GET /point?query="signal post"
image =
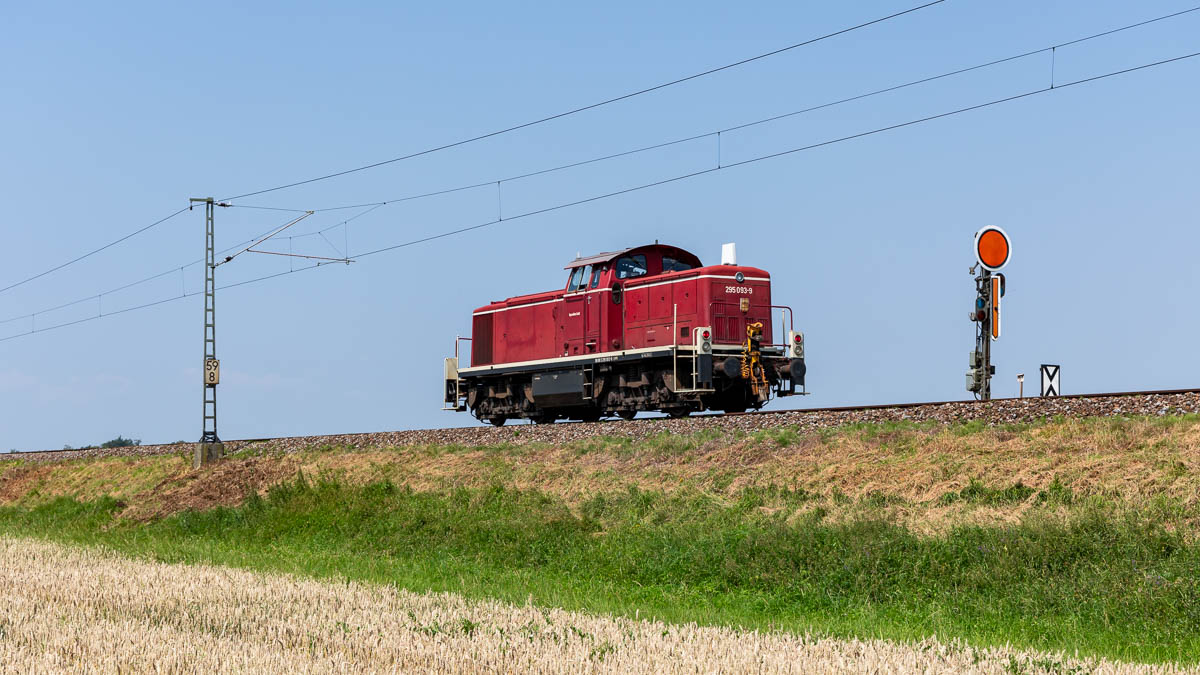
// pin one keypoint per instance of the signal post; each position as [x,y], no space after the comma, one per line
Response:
[992,251]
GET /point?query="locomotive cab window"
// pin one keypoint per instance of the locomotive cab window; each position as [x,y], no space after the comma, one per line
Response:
[596,277]
[578,278]
[672,265]
[631,266]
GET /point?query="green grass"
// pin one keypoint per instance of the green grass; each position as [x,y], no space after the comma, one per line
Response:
[1103,582]
[978,493]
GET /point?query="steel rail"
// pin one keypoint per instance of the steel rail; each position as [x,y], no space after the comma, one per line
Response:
[849,408]
[882,406]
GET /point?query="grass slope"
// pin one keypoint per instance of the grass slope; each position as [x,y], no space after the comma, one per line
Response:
[914,468]
[1084,541]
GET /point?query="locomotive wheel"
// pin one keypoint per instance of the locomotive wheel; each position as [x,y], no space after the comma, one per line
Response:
[626,414]
[497,421]
[590,416]
[542,418]
[679,413]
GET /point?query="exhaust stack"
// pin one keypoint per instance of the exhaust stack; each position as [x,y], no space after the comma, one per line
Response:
[729,254]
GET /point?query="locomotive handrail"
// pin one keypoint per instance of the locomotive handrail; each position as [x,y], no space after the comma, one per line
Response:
[675,357]
[791,317]
[458,339]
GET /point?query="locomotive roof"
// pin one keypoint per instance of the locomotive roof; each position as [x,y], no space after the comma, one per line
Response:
[612,255]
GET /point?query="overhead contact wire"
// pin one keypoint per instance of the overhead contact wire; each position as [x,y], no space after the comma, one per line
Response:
[131,284]
[606,157]
[765,120]
[674,179]
[591,106]
[773,155]
[93,252]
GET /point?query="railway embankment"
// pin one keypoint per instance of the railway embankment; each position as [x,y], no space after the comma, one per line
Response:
[992,413]
[1064,526]
[927,470]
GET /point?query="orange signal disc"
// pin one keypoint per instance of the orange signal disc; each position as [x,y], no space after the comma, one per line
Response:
[991,247]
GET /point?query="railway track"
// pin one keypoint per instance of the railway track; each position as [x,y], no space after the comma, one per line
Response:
[879,406]
[996,411]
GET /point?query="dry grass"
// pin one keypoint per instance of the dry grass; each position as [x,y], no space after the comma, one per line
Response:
[76,610]
[1134,460]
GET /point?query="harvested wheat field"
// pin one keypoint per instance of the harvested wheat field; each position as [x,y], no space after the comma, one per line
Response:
[69,609]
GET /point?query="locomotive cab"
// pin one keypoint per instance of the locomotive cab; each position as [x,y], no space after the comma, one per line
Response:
[647,328]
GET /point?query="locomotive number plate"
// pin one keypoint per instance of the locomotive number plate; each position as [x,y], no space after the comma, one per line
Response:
[743,290]
[212,371]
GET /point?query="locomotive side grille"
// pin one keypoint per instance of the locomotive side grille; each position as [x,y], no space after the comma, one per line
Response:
[481,340]
[728,329]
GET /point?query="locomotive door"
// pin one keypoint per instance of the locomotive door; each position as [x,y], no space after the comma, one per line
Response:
[591,313]
[613,310]
[575,311]
[575,305]
[591,323]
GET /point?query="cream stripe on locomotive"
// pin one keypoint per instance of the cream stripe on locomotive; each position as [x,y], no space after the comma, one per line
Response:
[608,290]
[566,359]
[601,357]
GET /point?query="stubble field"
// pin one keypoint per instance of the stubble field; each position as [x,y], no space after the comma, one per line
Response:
[70,609]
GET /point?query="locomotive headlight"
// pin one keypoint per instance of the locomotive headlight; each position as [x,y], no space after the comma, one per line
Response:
[797,340]
[703,340]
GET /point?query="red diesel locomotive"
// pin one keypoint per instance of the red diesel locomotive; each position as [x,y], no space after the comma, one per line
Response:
[647,328]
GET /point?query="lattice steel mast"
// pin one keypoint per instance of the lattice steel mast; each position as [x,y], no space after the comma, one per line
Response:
[210,446]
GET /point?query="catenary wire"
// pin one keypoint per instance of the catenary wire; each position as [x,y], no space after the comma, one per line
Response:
[175,269]
[765,120]
[347,221]
[590,106]
[56,268]
[131,284]
[597,159]
[441,235]
[782,153]
[114,243]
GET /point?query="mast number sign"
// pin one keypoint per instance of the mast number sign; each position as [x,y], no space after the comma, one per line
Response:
[212,371]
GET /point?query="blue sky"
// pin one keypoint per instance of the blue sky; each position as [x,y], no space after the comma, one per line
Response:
[114,116]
